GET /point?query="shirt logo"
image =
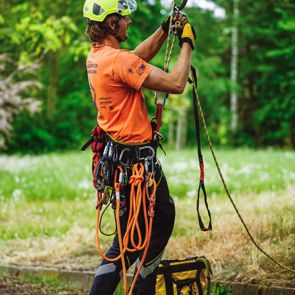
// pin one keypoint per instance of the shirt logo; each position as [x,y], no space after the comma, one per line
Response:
[141,70]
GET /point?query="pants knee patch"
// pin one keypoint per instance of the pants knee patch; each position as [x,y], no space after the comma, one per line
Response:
[105,269]
[148,268]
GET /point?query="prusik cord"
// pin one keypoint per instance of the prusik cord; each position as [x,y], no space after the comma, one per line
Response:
[169,47]
[227,191]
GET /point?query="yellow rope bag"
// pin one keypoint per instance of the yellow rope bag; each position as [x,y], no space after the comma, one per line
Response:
[189,276]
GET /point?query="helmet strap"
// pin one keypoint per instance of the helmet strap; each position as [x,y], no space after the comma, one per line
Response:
[118,39]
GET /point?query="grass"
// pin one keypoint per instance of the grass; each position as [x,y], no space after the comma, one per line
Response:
[47,213]
[68,176]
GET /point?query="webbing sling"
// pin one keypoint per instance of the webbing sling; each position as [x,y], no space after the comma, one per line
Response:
[200,156]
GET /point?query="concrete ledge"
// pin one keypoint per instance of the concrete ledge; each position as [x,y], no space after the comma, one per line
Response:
[75,278]
[83,279]
[246,289]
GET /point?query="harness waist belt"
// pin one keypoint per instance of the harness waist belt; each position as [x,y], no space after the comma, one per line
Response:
[127,155]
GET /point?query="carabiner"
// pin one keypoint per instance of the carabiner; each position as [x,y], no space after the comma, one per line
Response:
[181,6]
[128,161]
[151,156]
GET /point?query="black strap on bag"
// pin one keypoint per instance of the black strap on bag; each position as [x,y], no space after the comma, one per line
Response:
[200,156]
[167,277]
[200,289]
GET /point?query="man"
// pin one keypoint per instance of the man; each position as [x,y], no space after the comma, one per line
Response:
[116,77]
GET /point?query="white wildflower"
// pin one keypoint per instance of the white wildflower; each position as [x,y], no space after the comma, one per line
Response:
[84,184]
[17,194]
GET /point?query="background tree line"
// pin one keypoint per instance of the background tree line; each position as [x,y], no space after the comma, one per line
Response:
[50,34]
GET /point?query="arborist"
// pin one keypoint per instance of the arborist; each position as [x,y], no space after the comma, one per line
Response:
[127,169]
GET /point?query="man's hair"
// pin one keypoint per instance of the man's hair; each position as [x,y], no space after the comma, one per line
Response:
[97,30]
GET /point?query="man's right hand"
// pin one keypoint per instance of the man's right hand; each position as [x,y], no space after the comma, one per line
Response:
[187,35]
[178,17]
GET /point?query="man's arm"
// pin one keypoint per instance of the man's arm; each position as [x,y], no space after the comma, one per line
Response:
[150,47]
[175,81]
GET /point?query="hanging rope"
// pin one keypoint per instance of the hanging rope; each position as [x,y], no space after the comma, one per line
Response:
[142,189]
[225,186]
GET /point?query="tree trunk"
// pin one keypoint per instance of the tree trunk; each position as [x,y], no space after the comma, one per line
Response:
[234,67]
[171,137]
[52,83]
[181,130]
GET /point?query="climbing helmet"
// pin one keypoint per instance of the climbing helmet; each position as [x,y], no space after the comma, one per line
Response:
[98,10]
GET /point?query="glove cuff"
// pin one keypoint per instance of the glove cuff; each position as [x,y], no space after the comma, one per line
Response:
[187,40]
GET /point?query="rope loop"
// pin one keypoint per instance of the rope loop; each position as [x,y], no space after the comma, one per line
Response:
[137,176]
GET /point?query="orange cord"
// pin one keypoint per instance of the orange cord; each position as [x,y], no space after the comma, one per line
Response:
[138,196]
[151,215]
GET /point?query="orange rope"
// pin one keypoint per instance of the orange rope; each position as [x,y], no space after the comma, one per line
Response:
[138,199]
[117,190]
[151,215]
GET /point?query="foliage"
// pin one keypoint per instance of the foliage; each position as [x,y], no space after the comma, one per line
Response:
[12,102]
[52,34]
[220,289]
[266,72]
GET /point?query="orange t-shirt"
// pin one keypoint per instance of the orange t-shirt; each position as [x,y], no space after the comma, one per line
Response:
[115,78]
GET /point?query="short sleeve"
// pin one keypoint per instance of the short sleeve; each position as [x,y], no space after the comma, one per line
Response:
[130,69]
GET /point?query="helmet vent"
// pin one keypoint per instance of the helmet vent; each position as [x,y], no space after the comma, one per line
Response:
[97,10]
[122,5]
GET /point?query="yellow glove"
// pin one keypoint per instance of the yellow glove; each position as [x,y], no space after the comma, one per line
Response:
[187,35]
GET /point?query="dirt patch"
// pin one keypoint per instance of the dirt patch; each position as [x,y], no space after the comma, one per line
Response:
[12,286]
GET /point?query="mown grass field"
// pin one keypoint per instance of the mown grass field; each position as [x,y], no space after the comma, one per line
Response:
[47,212]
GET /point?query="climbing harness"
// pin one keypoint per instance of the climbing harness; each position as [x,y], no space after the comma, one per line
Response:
[117,167]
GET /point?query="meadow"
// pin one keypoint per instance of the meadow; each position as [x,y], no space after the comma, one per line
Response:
[47,212]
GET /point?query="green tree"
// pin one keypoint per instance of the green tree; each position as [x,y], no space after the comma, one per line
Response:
[266,71]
